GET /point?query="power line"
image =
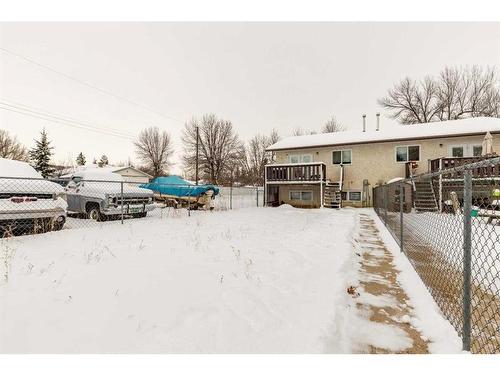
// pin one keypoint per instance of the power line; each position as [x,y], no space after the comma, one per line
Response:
[103,91]
[60,117]
[79,124]
[62,122]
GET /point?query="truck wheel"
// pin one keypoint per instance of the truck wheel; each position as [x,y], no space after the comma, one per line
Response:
[94,213]
[58,223]
[142,214]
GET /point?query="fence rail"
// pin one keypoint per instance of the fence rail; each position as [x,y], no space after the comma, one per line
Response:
[448,225]
[36,205]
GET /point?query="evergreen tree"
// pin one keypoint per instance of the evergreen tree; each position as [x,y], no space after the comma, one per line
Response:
[80,159]
[104,161]
[40,155]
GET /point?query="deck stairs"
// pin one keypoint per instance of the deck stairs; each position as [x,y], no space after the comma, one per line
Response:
[425,199]
[332,195]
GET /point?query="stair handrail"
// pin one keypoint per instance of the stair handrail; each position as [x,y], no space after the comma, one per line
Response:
[410,172]
[341,182]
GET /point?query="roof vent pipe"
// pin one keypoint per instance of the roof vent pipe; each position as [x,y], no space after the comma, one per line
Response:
[378,121]
[364,123]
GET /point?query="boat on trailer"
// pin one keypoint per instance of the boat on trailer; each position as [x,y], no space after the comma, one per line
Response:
[174,191]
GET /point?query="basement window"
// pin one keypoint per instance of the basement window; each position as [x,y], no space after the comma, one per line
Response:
[296,195]
[355,196]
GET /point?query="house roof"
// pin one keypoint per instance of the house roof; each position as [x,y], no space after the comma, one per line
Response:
[107,168]
[442,129]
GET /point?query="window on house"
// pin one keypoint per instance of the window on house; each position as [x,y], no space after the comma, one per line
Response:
[306,195]
[477,150]
[342,157]
[407,153]
[457,151]
[301,195]
[300,158]
[355,196]
[465,150]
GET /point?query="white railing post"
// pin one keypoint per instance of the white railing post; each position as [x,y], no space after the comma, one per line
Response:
[440,185]
[264,204]
[321,186]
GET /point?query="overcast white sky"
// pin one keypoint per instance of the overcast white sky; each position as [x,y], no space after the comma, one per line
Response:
[258,75]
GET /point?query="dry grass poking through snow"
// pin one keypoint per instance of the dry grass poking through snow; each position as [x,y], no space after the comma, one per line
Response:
[380,299]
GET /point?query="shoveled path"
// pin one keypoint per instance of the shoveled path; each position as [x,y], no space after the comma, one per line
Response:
[379,296]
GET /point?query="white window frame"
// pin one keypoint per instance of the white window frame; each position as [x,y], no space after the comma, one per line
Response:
[472,145]
[467,147]
[301,192]
[355,191]
[341,158]
[407,153]
[451,147]
[301,157]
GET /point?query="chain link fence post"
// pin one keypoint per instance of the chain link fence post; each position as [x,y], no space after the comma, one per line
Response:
[401,209]
[257,192]
[231,195]
[467,238]
[386,198]
[121,199]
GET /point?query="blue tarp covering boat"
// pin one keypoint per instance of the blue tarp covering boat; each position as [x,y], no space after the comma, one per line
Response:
[178,187]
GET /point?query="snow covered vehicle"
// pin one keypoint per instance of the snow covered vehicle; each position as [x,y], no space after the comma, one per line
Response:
[177,192]
[98,195]
[29,203]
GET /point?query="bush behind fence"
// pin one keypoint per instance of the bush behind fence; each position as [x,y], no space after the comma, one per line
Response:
[448,225]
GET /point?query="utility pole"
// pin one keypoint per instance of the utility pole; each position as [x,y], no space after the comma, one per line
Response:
[197,152]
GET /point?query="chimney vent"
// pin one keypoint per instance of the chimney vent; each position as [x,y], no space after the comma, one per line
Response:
[378,121]
[364,123]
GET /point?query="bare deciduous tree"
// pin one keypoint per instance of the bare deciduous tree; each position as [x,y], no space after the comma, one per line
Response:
[299,131]
[332,126]
[220,149]
[274,137]
[154,149]
[11,148]
[257,157]
[456,93]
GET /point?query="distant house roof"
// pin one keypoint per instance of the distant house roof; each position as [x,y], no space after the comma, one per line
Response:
[442,129]
[106,168]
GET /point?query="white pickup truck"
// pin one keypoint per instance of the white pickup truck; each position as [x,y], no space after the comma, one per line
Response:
[98,195]
[29,203]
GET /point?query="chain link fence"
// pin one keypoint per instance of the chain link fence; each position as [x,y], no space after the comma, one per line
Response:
[36,205]
[448,225]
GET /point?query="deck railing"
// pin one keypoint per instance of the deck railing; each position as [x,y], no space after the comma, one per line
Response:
[436,165]
[300,172]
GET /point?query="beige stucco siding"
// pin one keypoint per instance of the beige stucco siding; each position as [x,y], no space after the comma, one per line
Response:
[376,162]
[284,195]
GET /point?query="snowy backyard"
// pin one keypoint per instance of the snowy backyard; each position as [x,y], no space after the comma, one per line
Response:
[253,280]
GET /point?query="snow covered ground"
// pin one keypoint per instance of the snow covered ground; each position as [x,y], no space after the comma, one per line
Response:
[242,197]
[256,280]
[444,233]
